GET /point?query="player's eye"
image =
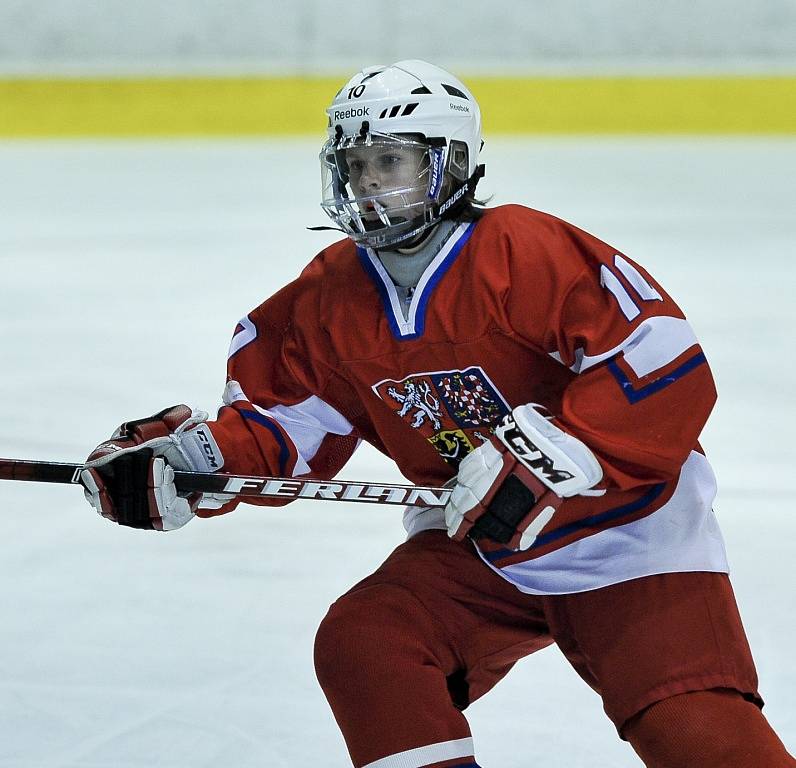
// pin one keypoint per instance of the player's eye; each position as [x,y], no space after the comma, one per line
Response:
[389,160]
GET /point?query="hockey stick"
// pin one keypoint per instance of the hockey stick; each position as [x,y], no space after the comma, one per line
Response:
[245,485]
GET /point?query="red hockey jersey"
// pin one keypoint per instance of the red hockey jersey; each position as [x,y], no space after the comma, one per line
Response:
[517,307]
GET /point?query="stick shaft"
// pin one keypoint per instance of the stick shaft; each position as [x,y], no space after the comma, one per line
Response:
[248,486]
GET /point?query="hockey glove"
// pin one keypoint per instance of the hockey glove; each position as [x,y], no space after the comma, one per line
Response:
[509,487]
[129,479]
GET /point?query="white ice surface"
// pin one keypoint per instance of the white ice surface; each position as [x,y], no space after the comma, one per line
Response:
[125,267]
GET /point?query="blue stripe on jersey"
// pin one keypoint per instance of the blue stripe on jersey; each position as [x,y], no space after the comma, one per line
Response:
[587,522]
[264,421]
[420,322]
[635,395]
[423,299]
[382,289]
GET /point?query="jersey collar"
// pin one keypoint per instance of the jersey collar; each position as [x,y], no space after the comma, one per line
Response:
[414,324]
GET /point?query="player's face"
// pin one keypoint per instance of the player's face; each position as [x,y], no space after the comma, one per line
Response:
[386,168]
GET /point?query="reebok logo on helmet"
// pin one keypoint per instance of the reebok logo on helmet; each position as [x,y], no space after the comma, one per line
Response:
[345,114]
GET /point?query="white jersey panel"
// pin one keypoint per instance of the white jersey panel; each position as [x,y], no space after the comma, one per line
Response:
[683,535]
[655,343]
[307,423]
[662,340]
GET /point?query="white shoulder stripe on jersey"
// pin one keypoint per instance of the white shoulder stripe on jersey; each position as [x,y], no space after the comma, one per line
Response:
[433,753]
[246,334]
[662,340]
[306,423]
[654,343]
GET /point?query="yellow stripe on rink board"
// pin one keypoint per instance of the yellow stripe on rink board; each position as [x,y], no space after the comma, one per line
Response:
[163,106]
[259,106]
[662,105]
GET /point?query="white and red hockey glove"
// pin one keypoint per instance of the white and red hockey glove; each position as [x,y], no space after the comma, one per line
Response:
[509,487]
[129,479]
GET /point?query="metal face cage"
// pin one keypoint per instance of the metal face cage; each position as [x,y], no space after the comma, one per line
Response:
[381,189]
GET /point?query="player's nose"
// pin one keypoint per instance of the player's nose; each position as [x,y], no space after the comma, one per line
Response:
[369,181]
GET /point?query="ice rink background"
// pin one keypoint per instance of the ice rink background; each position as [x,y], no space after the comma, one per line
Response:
[125,267]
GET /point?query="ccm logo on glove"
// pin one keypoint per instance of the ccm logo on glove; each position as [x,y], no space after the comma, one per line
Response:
[209,446]
[509,488]
[529,454]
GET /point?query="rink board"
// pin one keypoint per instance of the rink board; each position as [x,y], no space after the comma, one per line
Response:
[262,106]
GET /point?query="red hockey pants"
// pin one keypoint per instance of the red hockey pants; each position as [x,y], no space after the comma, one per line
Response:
[404,651]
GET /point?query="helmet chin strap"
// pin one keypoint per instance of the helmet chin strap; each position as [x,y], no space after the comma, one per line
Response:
[414,244]
[449,207]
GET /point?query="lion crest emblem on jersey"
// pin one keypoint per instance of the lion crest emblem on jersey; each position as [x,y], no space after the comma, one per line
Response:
[454,410]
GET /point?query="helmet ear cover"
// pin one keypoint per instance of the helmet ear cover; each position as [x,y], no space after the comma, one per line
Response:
[458,160]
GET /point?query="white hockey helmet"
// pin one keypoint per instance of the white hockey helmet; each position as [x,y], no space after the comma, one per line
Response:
[411,116]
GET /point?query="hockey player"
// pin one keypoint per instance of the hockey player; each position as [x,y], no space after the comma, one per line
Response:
[548,377]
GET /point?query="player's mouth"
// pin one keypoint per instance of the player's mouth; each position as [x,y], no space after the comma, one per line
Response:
[372,214]
[370,211]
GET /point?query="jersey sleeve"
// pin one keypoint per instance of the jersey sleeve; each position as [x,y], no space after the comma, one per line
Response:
[642,389]
[275,420]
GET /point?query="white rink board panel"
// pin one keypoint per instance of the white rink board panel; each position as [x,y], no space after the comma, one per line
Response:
[126,267]
[311,36]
